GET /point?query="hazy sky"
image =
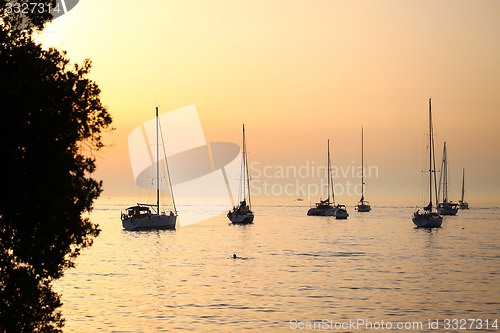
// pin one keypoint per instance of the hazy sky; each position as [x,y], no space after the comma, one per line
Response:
[299,72]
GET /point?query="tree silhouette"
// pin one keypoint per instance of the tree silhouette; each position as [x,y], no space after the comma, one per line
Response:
[51,122]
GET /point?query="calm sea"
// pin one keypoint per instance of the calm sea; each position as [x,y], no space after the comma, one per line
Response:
[372,272]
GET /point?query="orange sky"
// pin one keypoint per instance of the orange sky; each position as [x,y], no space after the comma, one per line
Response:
[298,73]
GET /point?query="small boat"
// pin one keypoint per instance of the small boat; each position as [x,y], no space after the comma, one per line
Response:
[429,218]
[325,207]
[341,212]
[461,203]
[445,207]
[242,214]
[363,205]
[149,216]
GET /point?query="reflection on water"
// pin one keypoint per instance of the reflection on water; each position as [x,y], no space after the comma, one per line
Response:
[374,266]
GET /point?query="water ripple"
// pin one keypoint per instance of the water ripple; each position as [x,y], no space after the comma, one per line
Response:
[374,266]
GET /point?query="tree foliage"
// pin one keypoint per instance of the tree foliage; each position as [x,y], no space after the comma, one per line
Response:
[51,123]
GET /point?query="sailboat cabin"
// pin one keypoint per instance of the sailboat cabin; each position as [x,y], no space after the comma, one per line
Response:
[136,211]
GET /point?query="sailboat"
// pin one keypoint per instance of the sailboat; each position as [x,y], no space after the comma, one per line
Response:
[429,218]
[242,214]
[445,207]
[462,204]
[363,205]
[325,207]
[149,216]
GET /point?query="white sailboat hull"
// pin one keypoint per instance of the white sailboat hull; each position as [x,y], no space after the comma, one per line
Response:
[150,222]
[427,220]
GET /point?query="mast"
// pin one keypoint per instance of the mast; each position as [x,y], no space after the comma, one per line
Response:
[430,156]
[330,182]
[362,168]
[463,182]
[434,166]
[432,160]
[157,166]
[445,174]
[245,163]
